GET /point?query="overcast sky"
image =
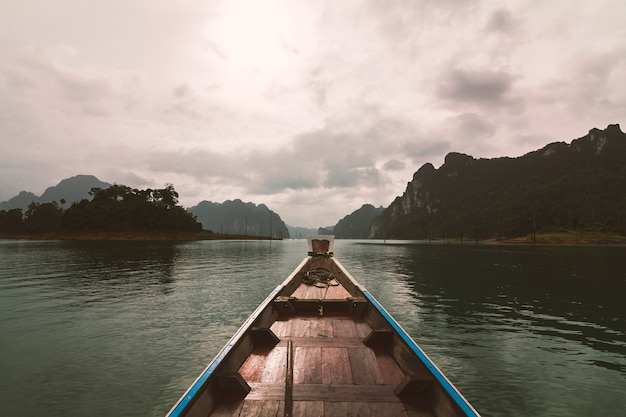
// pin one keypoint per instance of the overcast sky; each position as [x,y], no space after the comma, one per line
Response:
[310,107]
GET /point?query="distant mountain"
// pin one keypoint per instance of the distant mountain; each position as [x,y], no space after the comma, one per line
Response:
[300,232]
[562,185]
[357,224]
[328,230]
[71,190]
[237,217]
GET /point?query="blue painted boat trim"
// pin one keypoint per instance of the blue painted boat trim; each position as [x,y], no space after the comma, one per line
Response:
[187,398]
[443,381]
[206,374]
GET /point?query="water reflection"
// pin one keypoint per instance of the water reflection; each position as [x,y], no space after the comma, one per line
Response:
[530,326]
[124,328]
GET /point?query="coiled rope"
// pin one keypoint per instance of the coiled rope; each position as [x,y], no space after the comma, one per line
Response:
[320,277]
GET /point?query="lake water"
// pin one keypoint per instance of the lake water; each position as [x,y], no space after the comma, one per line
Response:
[123,328]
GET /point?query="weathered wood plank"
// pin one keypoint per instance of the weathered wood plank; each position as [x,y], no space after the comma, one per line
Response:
[336,366]
[300,327]
[274,368]
[262,391]
[252,368]
[308,409]
[347,409]
[315,293]
[389,370]
[307,365]
[324,328]
[337,292]
[336,342]
[344,328]
[364,367]
[387,409]
[259,408]
[301,291]
[281,328]
[362,328]
[343,392]
[288,410]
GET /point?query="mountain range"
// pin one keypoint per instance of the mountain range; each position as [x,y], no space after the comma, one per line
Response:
[237,217]
[575,185]
[70,190]
[561,186]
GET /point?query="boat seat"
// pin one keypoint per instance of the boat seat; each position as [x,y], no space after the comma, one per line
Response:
[413,385]
[233,384]
[262,336]
[379,338]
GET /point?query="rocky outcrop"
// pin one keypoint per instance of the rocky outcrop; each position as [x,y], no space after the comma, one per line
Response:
[583,181]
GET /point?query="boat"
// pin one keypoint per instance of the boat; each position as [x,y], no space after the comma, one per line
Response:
[321,345]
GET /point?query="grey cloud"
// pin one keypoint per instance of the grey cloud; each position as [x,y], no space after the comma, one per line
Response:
[471,126]
[501,21]
[476,86]
[182,91]
[346,177]
[201,164]
[343,154]
[394,165]
[421,150]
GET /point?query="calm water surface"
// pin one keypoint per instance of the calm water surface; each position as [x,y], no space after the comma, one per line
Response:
[121,329]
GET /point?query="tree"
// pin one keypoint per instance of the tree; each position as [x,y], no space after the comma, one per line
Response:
[43,218]
[11,221]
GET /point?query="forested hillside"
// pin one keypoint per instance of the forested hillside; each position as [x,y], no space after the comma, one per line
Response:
[115,209]
[356,225]
[237,217]
[65,193]
[578,185]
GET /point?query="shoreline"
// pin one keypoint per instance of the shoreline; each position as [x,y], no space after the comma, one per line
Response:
[130,236]
[183,237]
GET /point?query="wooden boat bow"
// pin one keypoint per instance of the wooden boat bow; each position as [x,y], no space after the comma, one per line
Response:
[321,345]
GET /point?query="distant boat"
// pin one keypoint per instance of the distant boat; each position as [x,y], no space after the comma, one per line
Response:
[321,345]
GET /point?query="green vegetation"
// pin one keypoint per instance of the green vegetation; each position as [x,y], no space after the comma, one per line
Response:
[117,209]
[574,236]
[357,224]
[237,217]
[577,187]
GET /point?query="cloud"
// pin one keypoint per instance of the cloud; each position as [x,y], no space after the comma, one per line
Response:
[286,103]
[394,165]
[502,21]
[478,86]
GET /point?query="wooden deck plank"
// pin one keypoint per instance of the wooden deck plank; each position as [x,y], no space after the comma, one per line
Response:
[252,368]
[336,342]
[387,409]
[324,328]
[337,292]
[300,327]
[364,366]
[281,328]
[347,409]
[389,369]
[344,328]
[362,328]
[308,409]
[275,367]
[301,291]
[336,366]
[267,408]
[307,365]
[261,391]
[344,392]
[315,293]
